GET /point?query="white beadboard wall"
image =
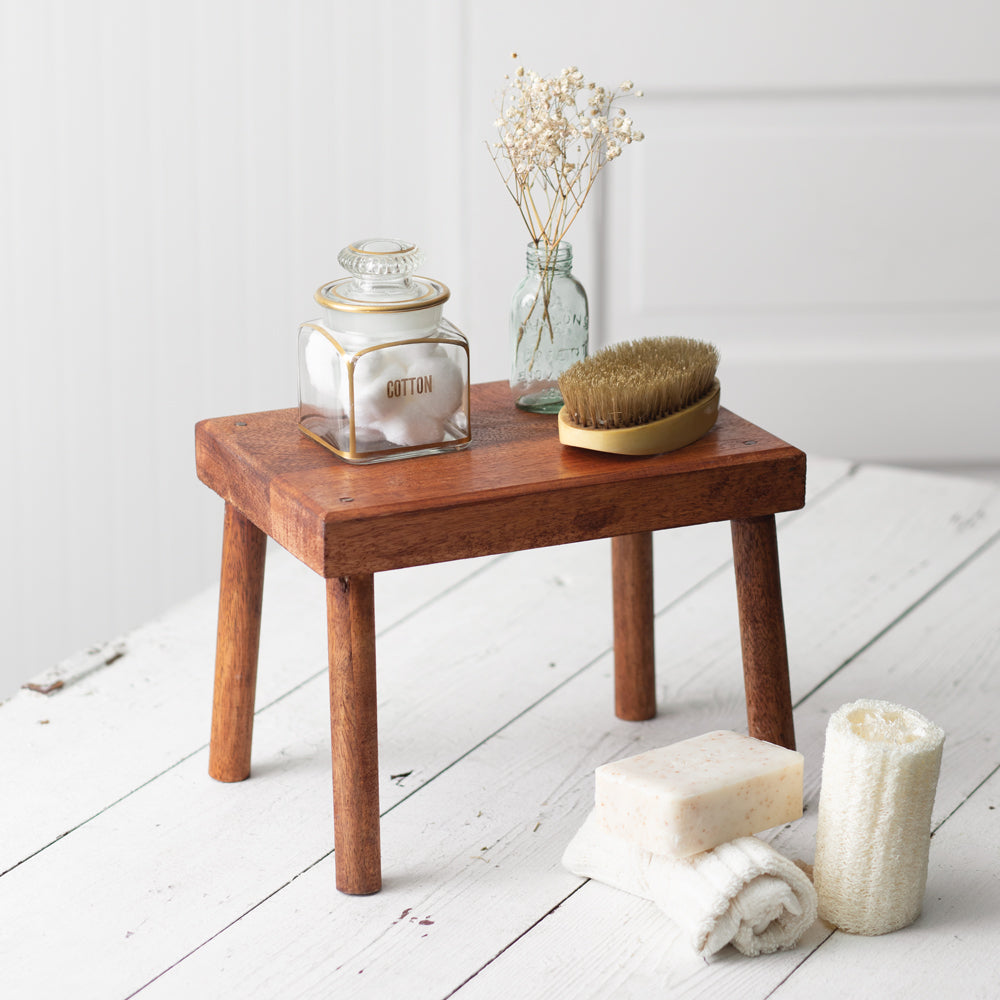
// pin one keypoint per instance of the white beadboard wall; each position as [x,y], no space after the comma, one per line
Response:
[817,194]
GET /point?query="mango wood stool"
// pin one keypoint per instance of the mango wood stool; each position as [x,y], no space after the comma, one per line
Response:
[515,487]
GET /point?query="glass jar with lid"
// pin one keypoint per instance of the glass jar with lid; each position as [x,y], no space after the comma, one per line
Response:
[382,374]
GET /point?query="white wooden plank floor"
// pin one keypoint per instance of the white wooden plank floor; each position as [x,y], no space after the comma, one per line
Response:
[127,871]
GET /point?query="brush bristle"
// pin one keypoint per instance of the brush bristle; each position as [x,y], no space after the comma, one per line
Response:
[638,381]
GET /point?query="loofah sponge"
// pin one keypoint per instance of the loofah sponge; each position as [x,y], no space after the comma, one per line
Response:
[880,772]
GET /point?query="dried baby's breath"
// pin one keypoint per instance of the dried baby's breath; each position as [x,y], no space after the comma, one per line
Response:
[555,135]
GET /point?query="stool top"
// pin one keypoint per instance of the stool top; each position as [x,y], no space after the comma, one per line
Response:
[515,487]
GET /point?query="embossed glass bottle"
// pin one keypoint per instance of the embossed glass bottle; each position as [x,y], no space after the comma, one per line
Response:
[383,374]
[549,327]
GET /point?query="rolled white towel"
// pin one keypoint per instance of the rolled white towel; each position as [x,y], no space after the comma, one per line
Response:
[743,892]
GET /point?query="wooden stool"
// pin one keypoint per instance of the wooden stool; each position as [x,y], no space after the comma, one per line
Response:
[515,487]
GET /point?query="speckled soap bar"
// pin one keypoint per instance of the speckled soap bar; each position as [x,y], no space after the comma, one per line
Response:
[694,795]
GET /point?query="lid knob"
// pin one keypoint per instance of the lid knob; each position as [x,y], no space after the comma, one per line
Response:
[381,258]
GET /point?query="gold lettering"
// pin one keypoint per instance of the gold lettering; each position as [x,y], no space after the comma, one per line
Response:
[414,385]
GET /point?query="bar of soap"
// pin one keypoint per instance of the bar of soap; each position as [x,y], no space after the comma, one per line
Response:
[694,795]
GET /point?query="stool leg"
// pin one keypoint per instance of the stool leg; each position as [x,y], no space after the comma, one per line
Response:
[241,592]
[762,631]
[632,586]
[350,603]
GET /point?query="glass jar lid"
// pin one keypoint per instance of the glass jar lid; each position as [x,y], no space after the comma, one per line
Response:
[381,279]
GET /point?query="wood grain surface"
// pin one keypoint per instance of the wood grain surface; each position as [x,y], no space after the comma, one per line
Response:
[354,732]
[635,654]
[241,594]
[515,487]
[762,630]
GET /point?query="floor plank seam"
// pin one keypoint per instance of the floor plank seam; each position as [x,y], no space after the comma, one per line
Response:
[451,588]
[798,965]
[496,732]
[905,613]
[100,812]
[380,633]
[842,480]
[510,944]
[222,930]
[945,819]
[782,519]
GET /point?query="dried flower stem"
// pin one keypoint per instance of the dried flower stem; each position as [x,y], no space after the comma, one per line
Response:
[555,137]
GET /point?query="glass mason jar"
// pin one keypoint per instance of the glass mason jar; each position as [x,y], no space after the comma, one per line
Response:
[382,374]
[549,327]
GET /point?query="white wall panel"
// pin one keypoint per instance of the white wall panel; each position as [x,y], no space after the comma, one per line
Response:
[817,195]
[808,201]
[176,179]
[848,239]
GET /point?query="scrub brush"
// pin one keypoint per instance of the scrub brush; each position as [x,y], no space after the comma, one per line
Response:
[642,397]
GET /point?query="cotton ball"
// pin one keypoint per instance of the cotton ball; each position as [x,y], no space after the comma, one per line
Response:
[409,355]
[372,404]
[448,386]
[322,363]
[366,435]
[413,428]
